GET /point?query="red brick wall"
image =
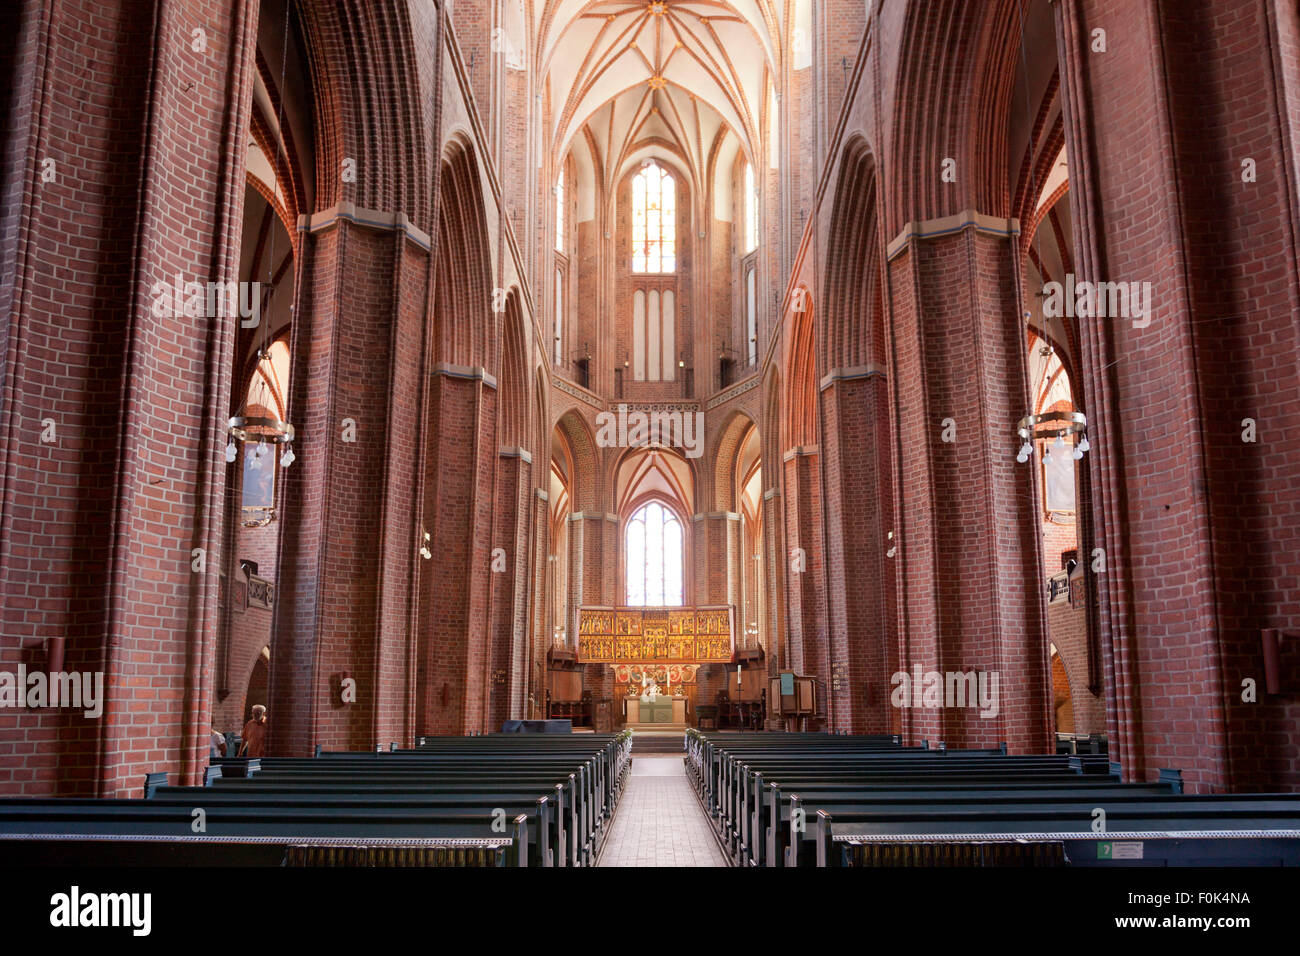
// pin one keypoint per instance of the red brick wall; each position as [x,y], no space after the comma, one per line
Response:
[99,524]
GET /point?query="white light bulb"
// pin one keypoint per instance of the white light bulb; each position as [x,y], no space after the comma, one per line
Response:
[1047,457]
[288,457]
[1077,454]
[1058,446]
[1083,445]
[231,451]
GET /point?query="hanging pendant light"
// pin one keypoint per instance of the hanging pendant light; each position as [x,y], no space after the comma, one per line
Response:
[260,430]
[1052,425]
[259,434]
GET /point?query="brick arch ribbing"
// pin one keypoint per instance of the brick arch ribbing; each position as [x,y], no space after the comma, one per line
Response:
[729,444]
[687,496]
[584,480]
[959,60]
[799,425]
[770,426]
[853,273]
[540,425]
[512,377]
[366,71]
[466,334]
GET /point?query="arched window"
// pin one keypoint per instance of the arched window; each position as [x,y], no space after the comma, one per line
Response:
[654,220]
[559,212]
[654,558]
[751,210]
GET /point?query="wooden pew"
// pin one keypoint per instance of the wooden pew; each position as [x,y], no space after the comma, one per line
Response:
[1171,829]
[149,833]
[441,804]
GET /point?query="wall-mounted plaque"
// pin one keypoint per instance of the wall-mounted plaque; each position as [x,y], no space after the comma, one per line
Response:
[1078,591]
[839,676]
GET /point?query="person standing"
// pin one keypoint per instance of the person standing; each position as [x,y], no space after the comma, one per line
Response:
[255,733]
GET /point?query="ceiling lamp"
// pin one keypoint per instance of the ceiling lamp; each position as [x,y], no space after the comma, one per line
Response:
[261,431]
[1052,425]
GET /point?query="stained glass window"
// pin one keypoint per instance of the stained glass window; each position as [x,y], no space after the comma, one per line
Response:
[654,558]
[654,220]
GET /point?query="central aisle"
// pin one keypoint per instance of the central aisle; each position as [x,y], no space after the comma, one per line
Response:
[659,821]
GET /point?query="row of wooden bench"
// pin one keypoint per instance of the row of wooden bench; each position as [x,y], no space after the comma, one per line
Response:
[492,800]
[828,800]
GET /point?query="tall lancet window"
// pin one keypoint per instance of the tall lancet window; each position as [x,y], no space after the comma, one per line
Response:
[654,558]
[751,210]
[654,221]
[559,212]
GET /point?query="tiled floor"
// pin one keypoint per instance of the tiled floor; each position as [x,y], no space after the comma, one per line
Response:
[659,821]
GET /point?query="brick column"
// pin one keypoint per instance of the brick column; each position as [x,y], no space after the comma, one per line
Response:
[454,650]
[510,585]
[349,542]
[969,589]
[540,635]
[1200,528]
[859,514]
[776,558]
[805,597]
[717,551]
[111,471]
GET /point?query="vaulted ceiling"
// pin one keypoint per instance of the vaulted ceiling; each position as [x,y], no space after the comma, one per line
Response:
[685,80]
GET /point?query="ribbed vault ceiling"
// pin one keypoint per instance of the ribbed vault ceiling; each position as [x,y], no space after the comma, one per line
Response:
[639,74]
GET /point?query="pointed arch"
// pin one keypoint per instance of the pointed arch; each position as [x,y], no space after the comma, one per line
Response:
[580,444]
[730,442]
[512,378]
[800,418]
[853,271]
[464,289]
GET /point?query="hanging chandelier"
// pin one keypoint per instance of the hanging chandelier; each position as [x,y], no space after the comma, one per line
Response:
[261,433]
[1050,425]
